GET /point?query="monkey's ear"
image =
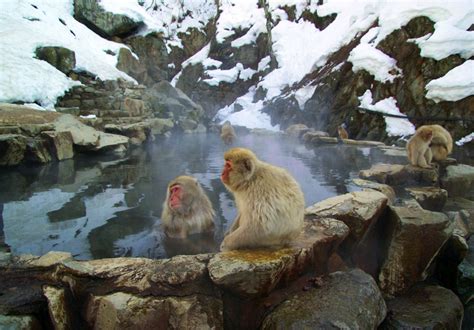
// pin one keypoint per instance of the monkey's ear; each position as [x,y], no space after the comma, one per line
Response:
[248,165]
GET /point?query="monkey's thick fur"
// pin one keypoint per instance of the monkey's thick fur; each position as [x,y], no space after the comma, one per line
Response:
[418,147]
[441,143]
[195,213]
[269,201]
[341,131]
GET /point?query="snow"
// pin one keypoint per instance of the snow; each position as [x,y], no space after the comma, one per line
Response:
[394,126]
[303,94]
[454,85]
[466,139]
[23,28]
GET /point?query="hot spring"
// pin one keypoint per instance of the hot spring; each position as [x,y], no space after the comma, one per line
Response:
[101,206]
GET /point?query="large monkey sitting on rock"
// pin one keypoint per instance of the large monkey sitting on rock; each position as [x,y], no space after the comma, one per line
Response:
[418,147]
[269,201]
[187,209]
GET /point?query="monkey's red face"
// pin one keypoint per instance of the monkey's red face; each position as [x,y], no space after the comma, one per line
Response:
[175,196]
[226,171]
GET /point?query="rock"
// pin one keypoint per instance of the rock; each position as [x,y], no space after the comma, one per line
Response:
[315,140]
[309,136]
[61,144]
[396,175]
[36,129]
[430,198]
[12,149]
[359,210]
[10,130]
[424,307]
[37,151]
[393,151]
[414,239]
[19,322]
[133,107]
[383,188]
[137,132]
[160,126]
[459,180]
[254,273]
[106,24]
[123,311]
[468,321]
[362,143]
[465,279]
[58,307]
[51,258]
[345,300]
[297,130]
[61,58]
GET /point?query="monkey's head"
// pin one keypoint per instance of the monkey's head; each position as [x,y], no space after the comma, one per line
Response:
[181,192]
[425,133]
[239,167]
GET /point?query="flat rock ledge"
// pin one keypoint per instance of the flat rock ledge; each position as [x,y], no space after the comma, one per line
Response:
[398,175]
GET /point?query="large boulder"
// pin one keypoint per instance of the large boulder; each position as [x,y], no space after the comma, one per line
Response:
[12,149]
[397,175]
[459,180]
[61,58]
[430,198]
[254,273]
[424,307]
[345,300]
[414,239]
[371,185]
[104,23]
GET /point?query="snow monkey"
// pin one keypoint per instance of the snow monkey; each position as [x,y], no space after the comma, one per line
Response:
[418,147]
[270,203]
[227,133]
[442,142]
[341,131]
[187,209]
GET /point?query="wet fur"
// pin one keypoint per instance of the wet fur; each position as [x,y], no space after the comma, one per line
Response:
[269,201]
[195,214]
[418,147]
[228,133]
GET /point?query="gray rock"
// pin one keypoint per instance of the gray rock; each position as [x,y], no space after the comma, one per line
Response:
[61,144]
[58,307]
[371,185]
[296,130]
[424,307]
[12,149]
[37,151]
[61,58]
[345,300]
[160,125]
[458,180]
[19,322]
[415,239]
[253,273]
[430,198]
[309,136]
[123,311]
[396,175]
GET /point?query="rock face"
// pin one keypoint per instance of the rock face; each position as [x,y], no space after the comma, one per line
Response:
[415,239]
[430,198]
[424,307]
[61,58]
[106,24]
[458,180]
[345,300]
[396,175]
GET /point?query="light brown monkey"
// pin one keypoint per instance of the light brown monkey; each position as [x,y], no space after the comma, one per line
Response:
[269,201]
[227,133]
[418,147]
[187,209]
[341,131]
[134,107]
[441,143]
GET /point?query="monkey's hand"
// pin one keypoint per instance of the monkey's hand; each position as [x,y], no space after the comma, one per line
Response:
[234,225]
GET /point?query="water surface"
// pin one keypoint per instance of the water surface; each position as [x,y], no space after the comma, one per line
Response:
[98,207]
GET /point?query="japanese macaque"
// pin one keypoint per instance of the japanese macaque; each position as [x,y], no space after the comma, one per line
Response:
[187,209]
[441,143]
[418,147]
[227,133]
[341,131]
[270,203]
[134,107]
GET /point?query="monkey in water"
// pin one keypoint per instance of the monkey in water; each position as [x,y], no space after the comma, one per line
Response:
[418,147]
[270,203]
[341,131]
[187,209]
[227,133]
[441,143]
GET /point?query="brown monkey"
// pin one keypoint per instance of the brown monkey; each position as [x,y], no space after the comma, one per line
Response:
[227,133]
[269,201]
[418,147]
[441,143]
[341,131]
[134,107]
[187,209]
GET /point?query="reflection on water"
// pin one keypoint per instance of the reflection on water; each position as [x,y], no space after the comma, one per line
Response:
[97,207]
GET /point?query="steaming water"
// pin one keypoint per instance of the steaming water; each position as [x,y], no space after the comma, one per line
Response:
[97,207]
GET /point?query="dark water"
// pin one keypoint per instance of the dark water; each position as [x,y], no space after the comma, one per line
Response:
[97,207]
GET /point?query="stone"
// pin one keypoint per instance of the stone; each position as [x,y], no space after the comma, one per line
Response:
[424,307]
[255,273]
[19,322]
[359,210]
[160,126]
[61,58]
[362,143]
[296,130]
[137,132]
[393,151]
[430,198]
[315,140]
[371,185]
[37,151]
[458,180]
[51,258]
[12,149]
[308,137]
[58,307]
[10,130]
[61,144]
[465,278]
[134,107]
[121,310]
[397,175]
[413,242]
[345,300]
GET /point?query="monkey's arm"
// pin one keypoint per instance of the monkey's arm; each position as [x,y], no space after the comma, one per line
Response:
[234,225]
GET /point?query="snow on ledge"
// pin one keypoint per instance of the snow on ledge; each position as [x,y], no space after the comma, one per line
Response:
[466,139]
